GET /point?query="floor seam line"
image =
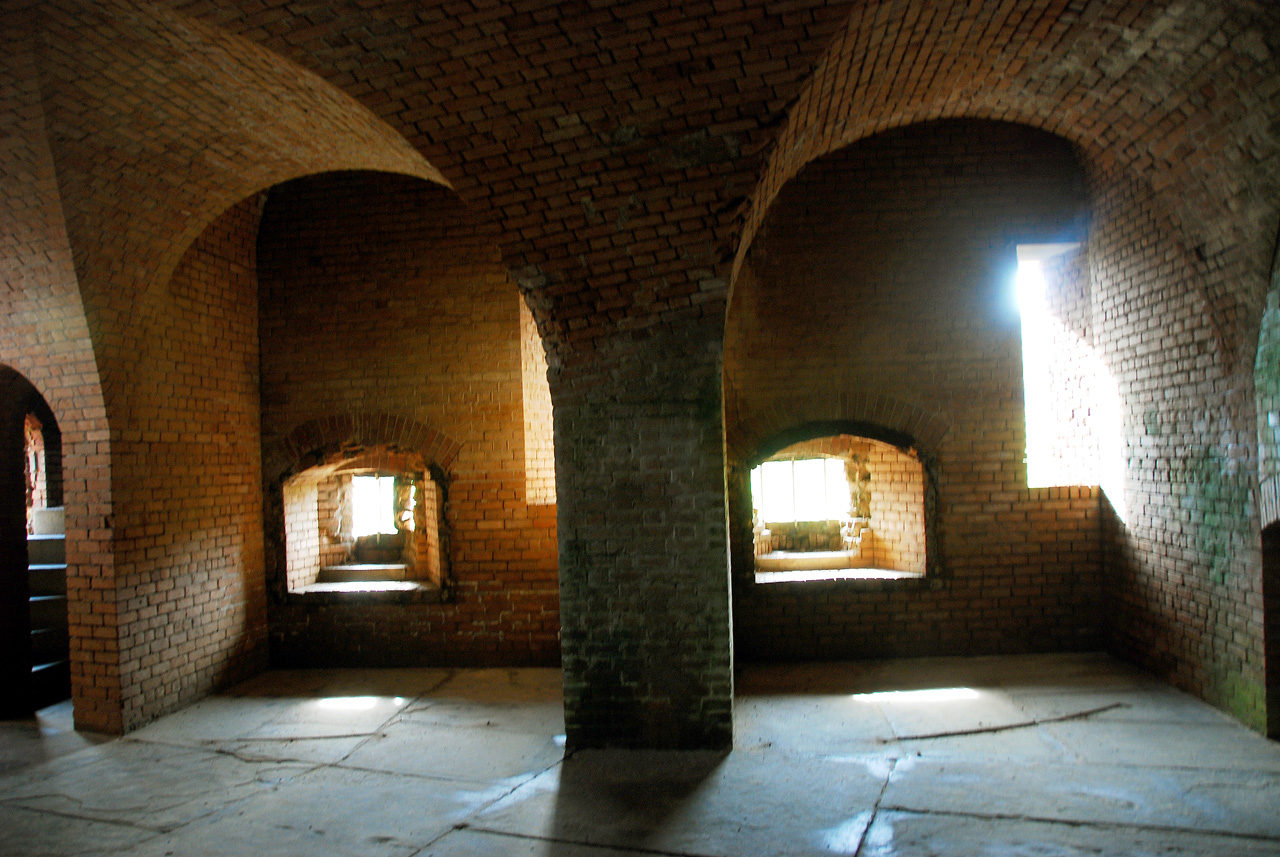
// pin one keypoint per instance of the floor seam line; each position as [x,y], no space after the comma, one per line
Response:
[635,849]
[1102,825]
[875,809]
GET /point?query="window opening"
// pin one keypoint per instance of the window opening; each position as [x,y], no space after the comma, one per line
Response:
[840,507]
[373,505]
[353,526]
[1074,421]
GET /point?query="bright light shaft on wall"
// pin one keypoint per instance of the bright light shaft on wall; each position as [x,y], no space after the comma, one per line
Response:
[1074,420]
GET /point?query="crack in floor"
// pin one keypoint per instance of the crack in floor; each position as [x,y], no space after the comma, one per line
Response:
[1086,823]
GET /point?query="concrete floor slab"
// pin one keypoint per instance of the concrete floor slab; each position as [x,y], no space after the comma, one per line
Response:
[330,811]
[813,723]
[479,843]
[32,833]
[319,683]
[453,762]
[693,803]
[1224,746]
[47,735]
[1220,801]
[899,834]
[476,755]
[151,786]
[1148,705]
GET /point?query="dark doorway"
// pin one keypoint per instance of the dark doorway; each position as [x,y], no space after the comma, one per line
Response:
[1271,623]
[34,642]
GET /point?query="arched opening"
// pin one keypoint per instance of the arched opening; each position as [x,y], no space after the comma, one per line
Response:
[399,359]
[1271,624]
[840,507]
[36,652]
[879,291]
[366,520]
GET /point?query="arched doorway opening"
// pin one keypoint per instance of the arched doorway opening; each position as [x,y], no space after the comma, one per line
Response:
[33,570]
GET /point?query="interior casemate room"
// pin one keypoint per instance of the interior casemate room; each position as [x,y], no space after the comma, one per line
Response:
[622,375]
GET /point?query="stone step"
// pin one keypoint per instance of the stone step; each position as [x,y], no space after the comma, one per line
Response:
[48,611]
[49,549]
[49,644]
[48,579]
[363,571]
[807,560]
[50,521]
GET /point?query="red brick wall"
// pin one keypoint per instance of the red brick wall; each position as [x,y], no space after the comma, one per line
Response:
[887,268]
[44,335]
[539,448]
[36,473]
[897,509]
[187,474]
[379,294]
[1185,568]
[301,531]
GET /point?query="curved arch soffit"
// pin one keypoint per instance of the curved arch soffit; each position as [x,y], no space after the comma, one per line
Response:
[814,128]
[309,442]
[224,119]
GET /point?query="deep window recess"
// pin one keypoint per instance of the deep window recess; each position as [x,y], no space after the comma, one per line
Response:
[840,507]
[349,529]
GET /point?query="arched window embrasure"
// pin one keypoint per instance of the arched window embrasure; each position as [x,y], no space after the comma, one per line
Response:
[367,520]
[838,507]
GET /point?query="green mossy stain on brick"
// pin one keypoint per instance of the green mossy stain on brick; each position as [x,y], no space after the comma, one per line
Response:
[1206,485]
[1246,700]
[1151,422]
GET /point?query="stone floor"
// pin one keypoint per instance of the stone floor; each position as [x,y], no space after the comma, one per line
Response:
[1044,755]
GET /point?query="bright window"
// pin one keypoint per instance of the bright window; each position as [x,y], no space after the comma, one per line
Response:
[373,505]
[808,489]
[1073,410]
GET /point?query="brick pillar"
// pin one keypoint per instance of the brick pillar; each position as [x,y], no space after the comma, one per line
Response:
[644,581]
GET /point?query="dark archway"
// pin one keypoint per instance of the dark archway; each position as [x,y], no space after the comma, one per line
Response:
[1271,622]
[33,573]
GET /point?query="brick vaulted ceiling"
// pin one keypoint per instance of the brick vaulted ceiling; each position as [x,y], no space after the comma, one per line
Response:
[624,152]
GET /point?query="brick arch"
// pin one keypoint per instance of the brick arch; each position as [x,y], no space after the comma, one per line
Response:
[44,336]
[307,443]
[867,414]
[322,440]
[189,120]
[1142,116]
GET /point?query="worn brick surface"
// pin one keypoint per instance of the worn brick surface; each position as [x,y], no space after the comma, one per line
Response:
[622,158]
[887,268]
[379,294]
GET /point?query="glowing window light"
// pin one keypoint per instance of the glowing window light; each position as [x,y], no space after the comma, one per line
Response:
[1074,416]
[933,694]
[807,489]
[373,503]
[355,703]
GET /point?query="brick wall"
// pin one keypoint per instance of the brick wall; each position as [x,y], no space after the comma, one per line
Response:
[185,461]
[897,509]
[1184,568]
[35,474]
[887,268]
[44,335]
[379,294]
[301,532]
